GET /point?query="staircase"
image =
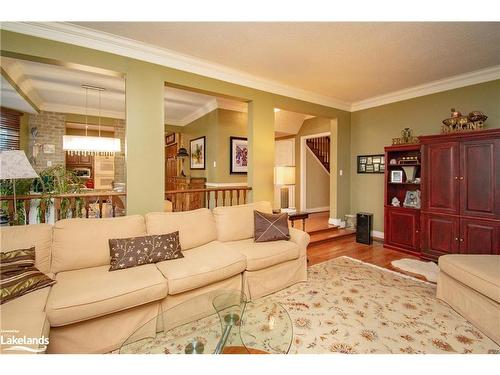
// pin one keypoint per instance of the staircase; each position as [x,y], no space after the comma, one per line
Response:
[321,149]
[320,231]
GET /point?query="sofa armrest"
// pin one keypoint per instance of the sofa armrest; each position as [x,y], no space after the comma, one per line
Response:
[301,238]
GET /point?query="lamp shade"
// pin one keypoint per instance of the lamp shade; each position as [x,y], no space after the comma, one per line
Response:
[14,164]
[79,143]
[182,153]
[284,175]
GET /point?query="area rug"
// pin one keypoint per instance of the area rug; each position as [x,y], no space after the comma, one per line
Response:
[349,307]
[429,270]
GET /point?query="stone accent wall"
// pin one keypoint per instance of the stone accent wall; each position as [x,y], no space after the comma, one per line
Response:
[120,171]
[51,128]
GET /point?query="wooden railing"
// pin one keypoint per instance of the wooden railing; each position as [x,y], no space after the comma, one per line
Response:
[66,205]
[191,199]
[321,148]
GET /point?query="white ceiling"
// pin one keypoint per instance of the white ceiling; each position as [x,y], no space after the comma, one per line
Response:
[10,98]
[57,88]
[349,62]
[287,122]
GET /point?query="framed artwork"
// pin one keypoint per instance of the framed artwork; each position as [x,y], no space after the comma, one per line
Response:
[169,139]
[412,199]
[197,153]
[238,149]
[371,164]
[397,176]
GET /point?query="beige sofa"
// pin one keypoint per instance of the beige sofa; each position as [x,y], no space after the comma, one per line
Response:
[92,310]
[470,284]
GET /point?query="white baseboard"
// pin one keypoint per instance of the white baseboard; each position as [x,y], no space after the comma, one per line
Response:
[378,234]
[318,209]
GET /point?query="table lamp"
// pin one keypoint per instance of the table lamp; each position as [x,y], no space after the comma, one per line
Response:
[284,176]
[15,165]
[182,154]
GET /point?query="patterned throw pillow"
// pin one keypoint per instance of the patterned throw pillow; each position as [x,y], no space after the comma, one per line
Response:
[18,274]
[136,251]
[270,227]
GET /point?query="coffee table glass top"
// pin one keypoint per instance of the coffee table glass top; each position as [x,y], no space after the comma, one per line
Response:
[214,323]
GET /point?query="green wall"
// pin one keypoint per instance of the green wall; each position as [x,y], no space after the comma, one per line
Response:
[217,126]
[229,124]
[373,129]
[144,144]
[317,183]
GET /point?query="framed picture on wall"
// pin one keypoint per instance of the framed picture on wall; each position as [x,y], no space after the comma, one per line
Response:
[238,155]
[170,139]
[371,163]
[197,153]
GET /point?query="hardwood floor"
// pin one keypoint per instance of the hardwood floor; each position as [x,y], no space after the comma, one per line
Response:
[375,254]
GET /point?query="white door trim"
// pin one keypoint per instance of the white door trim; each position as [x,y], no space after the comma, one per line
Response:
[303,167]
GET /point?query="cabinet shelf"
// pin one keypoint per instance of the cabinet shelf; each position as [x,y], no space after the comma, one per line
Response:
[404,183]
[404,165]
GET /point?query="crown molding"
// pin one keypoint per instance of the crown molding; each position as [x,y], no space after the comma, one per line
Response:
[200,112]
[450,83]
[84,37]
[63,108]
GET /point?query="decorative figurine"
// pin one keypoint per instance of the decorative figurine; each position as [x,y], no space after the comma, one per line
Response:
[406,137]
[395,202]
[459,123]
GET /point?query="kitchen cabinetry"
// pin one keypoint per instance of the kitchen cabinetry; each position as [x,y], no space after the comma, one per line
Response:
[74,160]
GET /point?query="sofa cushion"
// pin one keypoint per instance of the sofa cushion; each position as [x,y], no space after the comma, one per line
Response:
[479,272]
[26,315]
[271,227]
[92,292]
[83,243]
[19,276]
[261,255]
[235,223]
[195,227]
[26,236]
[137,251]
[201,266]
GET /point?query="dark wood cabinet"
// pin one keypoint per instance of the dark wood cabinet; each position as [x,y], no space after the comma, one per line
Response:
[74,160]
[404,224]
[461,193]
[440,170]
[440,235]
[480,178]
[479,236]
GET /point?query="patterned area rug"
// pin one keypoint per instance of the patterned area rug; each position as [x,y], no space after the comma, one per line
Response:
[429,270]
[346,306]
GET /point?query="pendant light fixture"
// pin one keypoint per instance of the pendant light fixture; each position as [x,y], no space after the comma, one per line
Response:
[87,145]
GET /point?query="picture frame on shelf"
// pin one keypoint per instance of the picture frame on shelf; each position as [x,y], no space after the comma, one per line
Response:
[412,199]
[238,155]
[197,153]
[397,176]
[371,163]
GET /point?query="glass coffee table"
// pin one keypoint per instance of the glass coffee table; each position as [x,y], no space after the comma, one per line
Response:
[219,322]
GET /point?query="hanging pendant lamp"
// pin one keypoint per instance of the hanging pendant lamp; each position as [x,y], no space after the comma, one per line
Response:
[87,145]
